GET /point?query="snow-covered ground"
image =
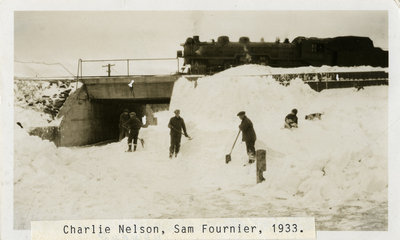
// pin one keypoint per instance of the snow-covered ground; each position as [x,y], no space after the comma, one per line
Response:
[253,69]
[334,169]
[37,102]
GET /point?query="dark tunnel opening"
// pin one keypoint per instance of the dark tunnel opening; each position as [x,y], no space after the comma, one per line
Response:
[108,113]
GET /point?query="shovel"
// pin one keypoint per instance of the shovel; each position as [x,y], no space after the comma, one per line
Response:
[141,141]
[176,130]
[228,156]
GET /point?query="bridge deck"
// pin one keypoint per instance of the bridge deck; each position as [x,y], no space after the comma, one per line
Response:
[144,87]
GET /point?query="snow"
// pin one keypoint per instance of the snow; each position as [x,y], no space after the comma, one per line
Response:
[253,69]
[37,101]
[334,169]
[31,118]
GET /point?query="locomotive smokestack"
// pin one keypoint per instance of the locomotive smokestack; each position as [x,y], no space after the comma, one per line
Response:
[244,40]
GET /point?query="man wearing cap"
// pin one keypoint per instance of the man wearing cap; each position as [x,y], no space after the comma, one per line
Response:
[123,128]
[291,119]
[176,124]
[134,125]
[248,135]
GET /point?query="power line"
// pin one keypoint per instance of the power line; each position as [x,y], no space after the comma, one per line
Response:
[49,64]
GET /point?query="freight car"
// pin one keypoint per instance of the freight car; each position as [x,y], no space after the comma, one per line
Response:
[214,56]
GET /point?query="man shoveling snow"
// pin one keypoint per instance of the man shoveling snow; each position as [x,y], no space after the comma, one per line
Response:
[176,124]
[248,135]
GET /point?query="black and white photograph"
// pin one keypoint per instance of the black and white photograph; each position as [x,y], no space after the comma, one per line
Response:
[201,113]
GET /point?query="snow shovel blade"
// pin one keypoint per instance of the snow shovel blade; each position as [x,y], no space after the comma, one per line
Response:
[227,158]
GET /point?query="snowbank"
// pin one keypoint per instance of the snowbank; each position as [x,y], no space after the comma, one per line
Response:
[341,157]
[37,102]
[253,69]
[215,101]
[337,165]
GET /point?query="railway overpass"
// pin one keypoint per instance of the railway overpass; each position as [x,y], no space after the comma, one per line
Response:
[91,114]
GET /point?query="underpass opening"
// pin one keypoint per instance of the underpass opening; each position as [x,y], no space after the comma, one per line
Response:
[108,113]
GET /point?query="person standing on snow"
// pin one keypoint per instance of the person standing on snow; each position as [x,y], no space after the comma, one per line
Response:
[291,119]
[123,128]
[134,125]
[248,135]
[176,124]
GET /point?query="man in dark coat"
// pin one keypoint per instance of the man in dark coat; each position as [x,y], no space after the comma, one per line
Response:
[134,125]
[248,135]
[291,119]
[176,124]
[123,128]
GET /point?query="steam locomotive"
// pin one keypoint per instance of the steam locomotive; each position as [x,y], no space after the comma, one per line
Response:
[211,57]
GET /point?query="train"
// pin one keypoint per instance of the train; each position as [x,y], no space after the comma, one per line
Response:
[214,56]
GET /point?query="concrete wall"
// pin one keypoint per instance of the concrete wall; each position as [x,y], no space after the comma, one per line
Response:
[144,87]
[82,121]
[87,121]
[91,114]
[150,109]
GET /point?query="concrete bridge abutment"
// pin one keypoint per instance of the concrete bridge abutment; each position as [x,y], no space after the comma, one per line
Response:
[91,114]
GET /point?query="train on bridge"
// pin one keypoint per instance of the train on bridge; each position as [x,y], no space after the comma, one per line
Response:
[211,57]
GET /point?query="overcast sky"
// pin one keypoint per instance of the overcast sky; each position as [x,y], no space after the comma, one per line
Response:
[67,36]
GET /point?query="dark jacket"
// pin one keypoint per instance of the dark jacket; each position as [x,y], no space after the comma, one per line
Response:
[134,124]
[248,133]
[291,118]
[123,119]
[176,124]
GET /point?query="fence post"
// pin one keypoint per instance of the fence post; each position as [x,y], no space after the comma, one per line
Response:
[80,60]
[261,164]
[77,74]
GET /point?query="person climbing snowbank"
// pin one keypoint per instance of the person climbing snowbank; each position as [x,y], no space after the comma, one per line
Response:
[291,119]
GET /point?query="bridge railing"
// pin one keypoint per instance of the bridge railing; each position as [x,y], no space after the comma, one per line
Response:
[117,67]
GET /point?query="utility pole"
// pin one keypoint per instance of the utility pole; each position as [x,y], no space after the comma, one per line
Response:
[108,66]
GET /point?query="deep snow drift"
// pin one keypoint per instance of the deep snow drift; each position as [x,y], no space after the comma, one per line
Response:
[334,169]
[253,69]
[45,97]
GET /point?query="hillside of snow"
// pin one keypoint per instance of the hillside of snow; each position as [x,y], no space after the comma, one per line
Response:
[253,69]
[37,102]
[334,169]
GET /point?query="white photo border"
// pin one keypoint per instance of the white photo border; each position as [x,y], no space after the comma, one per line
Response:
[7,8]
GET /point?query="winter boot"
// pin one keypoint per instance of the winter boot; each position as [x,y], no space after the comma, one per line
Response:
[130,148]
[134,147]
[252,158]
[170,154]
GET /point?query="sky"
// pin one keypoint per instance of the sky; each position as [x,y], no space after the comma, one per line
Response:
[66,36]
